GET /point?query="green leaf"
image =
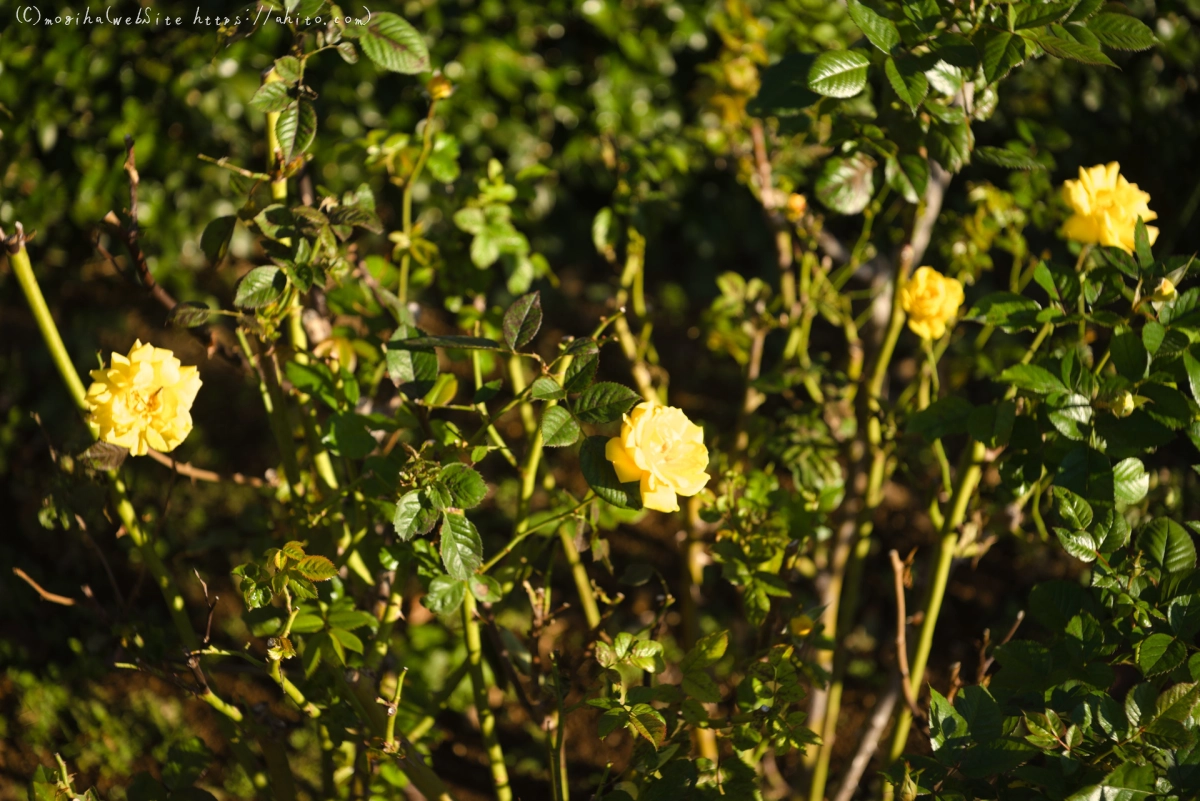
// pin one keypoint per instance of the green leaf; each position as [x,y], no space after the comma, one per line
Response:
[707,651]
[908,81]
[1141,245]
[1032,378]
[522,320]
[605,402]
[1167,405]
[783,93]
[1122,32]
[296,128]
[1153,334]
[485,589]
[260,287]
[1008,159]
[189,314]
[602,478]
[271,96]
[559,428]
[1036,15]
[1073,50]
[950,144]
[462,549]
[392,43]
[999,51]
[1130,482]
[458,342]
[289,68]
[216,237]
[1006,310]
[347,640]
[185,763]
[1079,544]
[942,418]
[945,723]
[908,175]
[1111,531]
[1129,355]
[1160,653]
[445,595]
[316,568]
[443,158]
[1168,544]
[546,388]
[313,379]
[414,516]
[466,488]
[649,723]
[846,184]
[880,31]
[981,713]
[839,73]
[413,369]
[349,435]
[1192,365]
[1072,509]
[585,360]
[700,686]
[356,215]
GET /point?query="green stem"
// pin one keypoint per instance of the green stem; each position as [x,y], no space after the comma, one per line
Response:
[19,261]
[390,735]
[526,531]
[583,585]
[280,428]
[279,188]
[968,482]
[406,212]
[487,721]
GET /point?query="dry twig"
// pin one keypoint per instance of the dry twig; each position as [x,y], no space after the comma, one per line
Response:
[46,594]
[901,639]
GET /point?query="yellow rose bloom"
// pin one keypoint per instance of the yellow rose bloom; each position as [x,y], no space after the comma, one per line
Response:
[661,449]
[143,400]
[1106,208]
[931,301]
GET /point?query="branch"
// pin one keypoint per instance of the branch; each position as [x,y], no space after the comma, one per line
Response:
[129,234]
[901,640]
[185,469]
[46,594]
[935,192]
[869,743]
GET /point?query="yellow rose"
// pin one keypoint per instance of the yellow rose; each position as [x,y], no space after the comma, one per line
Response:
[1106,208]
[1124,405]
[931,301]
[143,400]
[662,450]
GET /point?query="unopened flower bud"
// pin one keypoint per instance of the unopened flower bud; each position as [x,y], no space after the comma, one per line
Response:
[797,204]
[801,625]
[1123,405]
[439,87]
[1165,292]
